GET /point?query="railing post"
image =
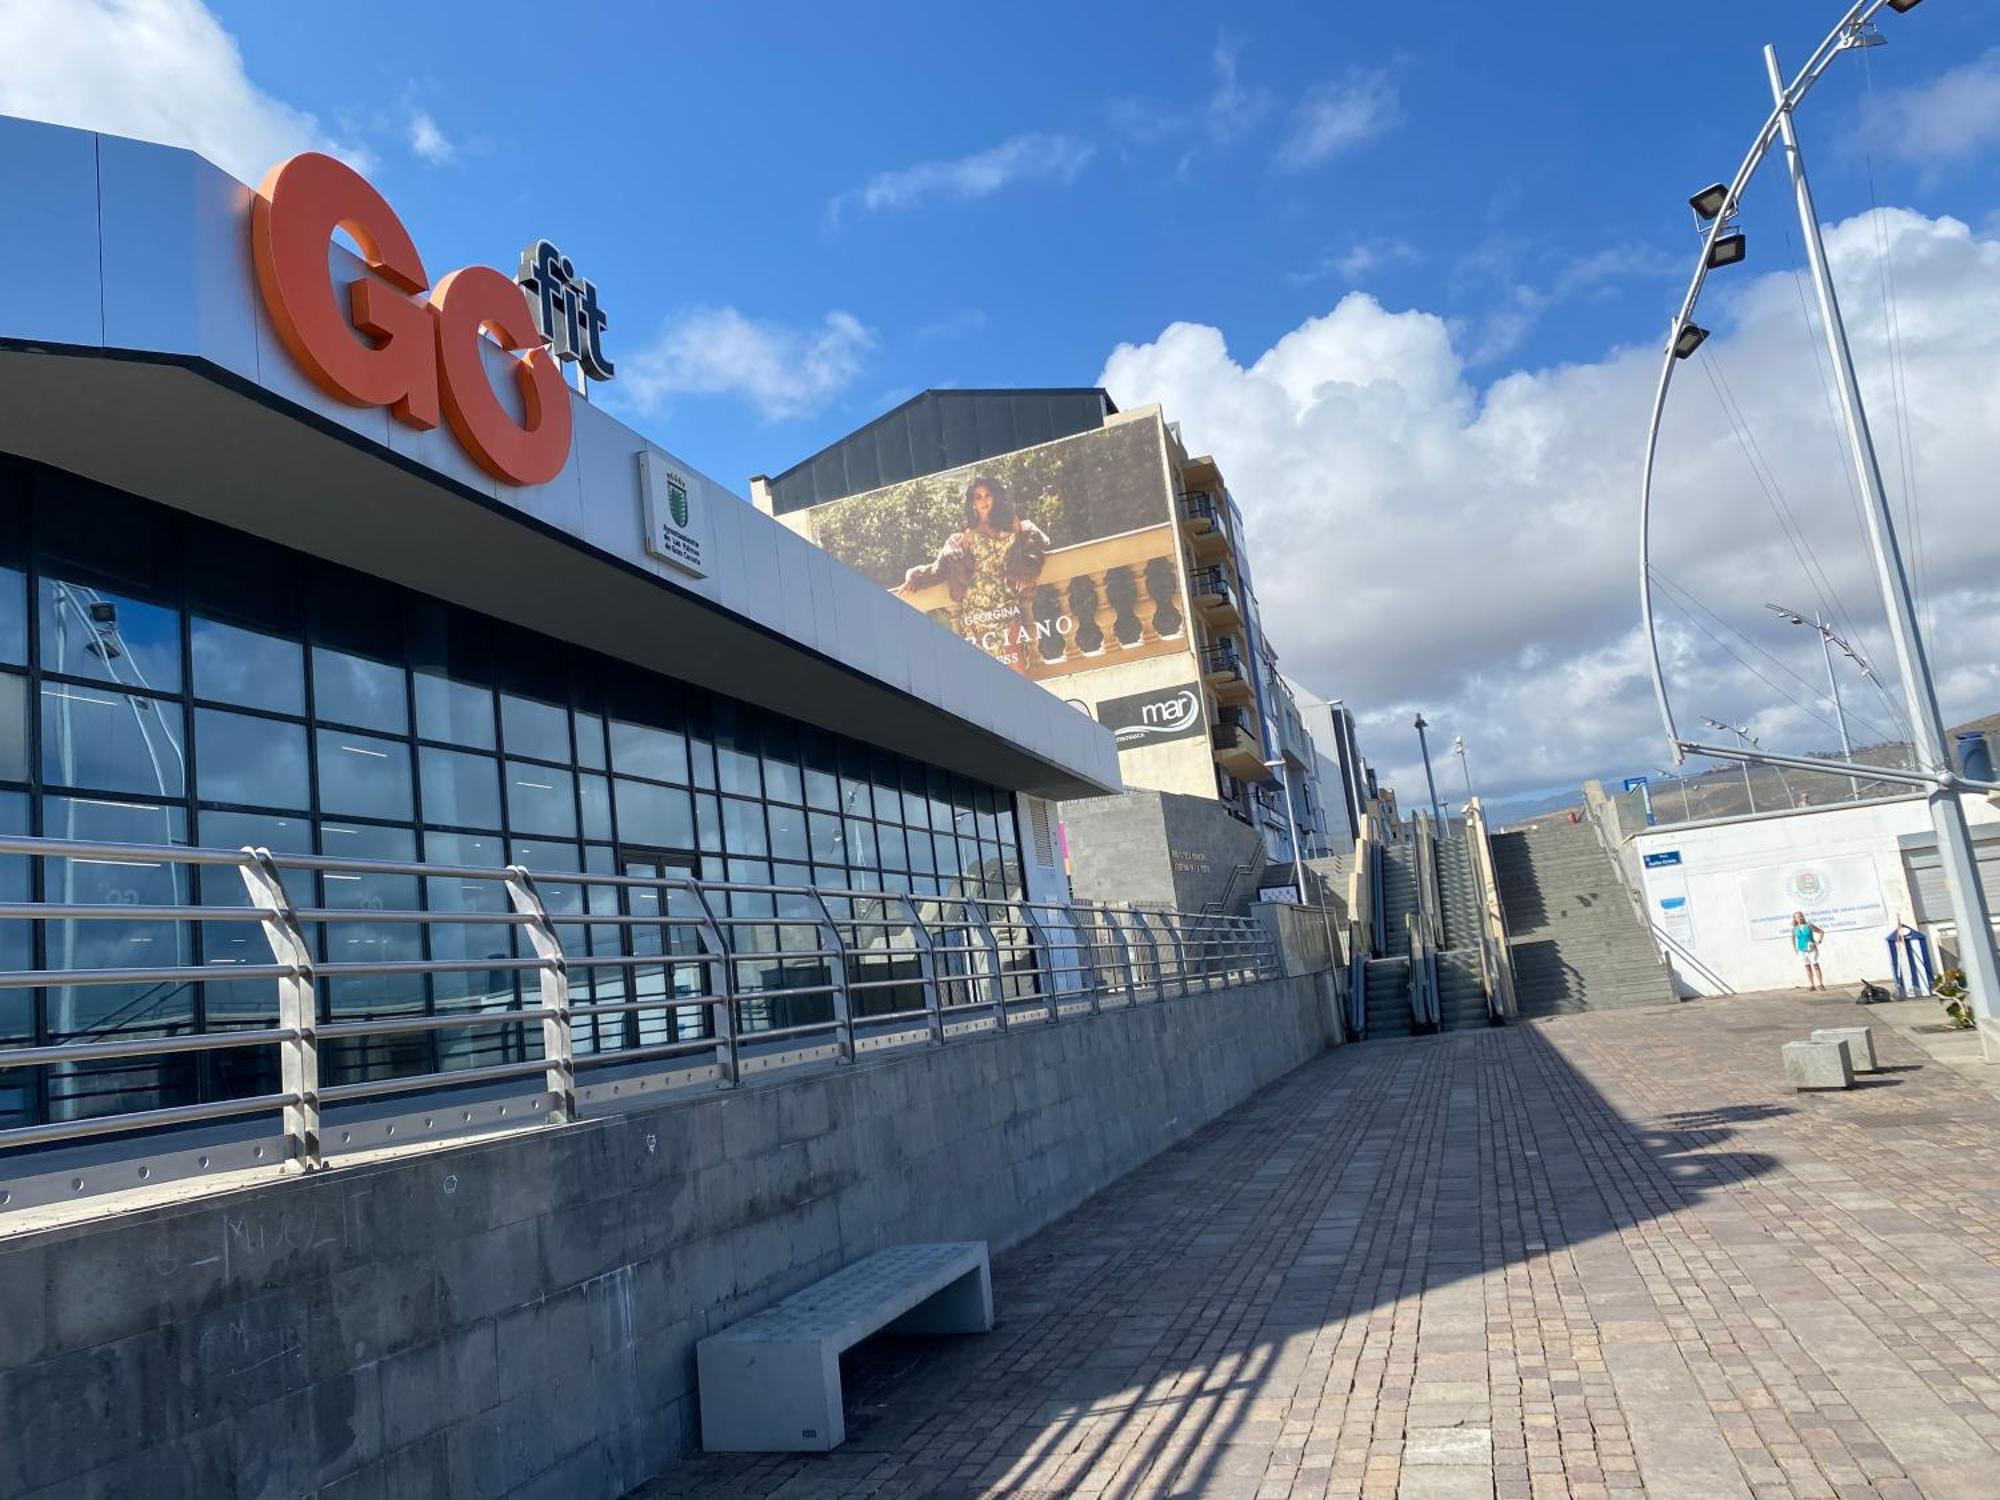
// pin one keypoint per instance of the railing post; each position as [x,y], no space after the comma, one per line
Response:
[558,1042]
[1044,957]
[927,962]
[723,965]
[298,1005]
[1117,931]
[975,917]
[843,1013]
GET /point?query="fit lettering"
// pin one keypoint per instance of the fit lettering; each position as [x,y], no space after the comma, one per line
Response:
[388,345]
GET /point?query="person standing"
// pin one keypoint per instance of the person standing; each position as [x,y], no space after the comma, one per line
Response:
[1806,937]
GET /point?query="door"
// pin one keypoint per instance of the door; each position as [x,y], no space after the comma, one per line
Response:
[654,944]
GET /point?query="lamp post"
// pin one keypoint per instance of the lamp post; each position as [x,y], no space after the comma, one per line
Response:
[1464,765]
[1687,811]
[1931,767]
[1291,825]
[1429,780]
[1827,641]
[1742,738]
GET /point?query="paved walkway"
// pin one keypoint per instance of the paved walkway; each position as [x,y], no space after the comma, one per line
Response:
[1606,1255]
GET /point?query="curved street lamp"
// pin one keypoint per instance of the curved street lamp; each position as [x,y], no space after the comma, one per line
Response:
[1932,769]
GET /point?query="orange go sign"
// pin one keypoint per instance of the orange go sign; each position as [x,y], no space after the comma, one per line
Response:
[390,345]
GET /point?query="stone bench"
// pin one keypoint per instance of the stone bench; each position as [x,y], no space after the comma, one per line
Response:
[1860,1045]
[771,1383]
[1818,1065]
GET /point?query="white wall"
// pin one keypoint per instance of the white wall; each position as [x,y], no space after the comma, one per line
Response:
[1730,873]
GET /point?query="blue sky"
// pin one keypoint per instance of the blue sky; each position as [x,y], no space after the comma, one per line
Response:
[1516,168]
[1403,269]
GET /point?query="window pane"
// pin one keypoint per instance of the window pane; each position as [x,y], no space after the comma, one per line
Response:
[708,821]
[861,842]
[736,761]
[642,750]
[540,799]
[363,777]
[893,854]
[247,667]
[17,1007]
[596,793]
[782,782]
[112,741]
[460,788]
[826,842]
[459,713]
[532,727]
[590,741]
[743,826]
[89,632]
[656,815]
[87,1089]
[13,616]
[816,752]
[353,689]
[13,727]
[362,941]
[245,1001]
[788,832]
[244,759]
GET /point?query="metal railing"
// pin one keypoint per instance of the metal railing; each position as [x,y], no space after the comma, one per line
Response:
[1216,581]
[715,979]
[1496,957]
[1222,659]
[1424,1009]
[1199,505]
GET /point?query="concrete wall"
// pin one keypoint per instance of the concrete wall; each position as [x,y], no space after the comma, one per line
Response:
[519,1316]
[1160,848]
[1729,872]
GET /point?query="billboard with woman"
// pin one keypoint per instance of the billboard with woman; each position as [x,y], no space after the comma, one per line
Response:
[1052,559]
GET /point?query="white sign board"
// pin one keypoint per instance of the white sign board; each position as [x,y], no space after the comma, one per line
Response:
[676,516]
[1840,893]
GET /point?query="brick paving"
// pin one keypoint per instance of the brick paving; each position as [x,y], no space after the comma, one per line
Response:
[1598,1257]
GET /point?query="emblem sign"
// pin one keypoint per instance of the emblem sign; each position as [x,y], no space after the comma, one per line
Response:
[676,527]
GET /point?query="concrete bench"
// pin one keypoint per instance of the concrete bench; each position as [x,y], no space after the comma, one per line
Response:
[1818,1065]
[1860,1045]
[771,1383]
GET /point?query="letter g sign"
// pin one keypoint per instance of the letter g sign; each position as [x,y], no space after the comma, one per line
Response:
[391,347]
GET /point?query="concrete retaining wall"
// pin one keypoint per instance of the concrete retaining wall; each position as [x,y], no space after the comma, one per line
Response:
[519,1316]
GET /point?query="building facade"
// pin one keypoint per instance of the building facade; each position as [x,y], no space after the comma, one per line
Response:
[265,583]
[1083,548]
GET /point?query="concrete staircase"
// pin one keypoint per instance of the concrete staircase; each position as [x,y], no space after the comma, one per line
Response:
[1388,998]
[1575,942]
[1461,994]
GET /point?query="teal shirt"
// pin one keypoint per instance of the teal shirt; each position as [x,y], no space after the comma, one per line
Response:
[1802,937]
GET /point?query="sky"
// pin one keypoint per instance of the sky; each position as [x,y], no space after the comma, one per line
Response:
[1404,270]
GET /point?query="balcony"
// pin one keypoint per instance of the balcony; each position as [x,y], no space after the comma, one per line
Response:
[1203,526]
[1223,674]
[1237,748]
[1214,595]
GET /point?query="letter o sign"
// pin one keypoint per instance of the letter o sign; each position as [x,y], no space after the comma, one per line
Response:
[389,347]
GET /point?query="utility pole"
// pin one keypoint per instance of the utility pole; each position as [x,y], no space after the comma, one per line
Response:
[1976,954]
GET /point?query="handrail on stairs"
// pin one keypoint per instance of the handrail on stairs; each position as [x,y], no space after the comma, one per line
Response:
[1423,975]
[1496,956]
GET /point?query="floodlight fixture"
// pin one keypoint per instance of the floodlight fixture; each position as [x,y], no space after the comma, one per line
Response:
[1727,250]
[1691,337]
[1709,202]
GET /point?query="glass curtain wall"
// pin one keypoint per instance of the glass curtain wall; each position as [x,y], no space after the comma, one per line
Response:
[167,681]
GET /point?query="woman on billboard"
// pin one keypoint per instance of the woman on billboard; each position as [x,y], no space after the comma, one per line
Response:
[989,568]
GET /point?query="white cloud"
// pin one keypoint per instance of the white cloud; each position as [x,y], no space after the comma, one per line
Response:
[1361,259]
[159,70]
[782,370]
[429,142]
[1021,158]
[1953,115]
[1338,116]
[1424,540]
